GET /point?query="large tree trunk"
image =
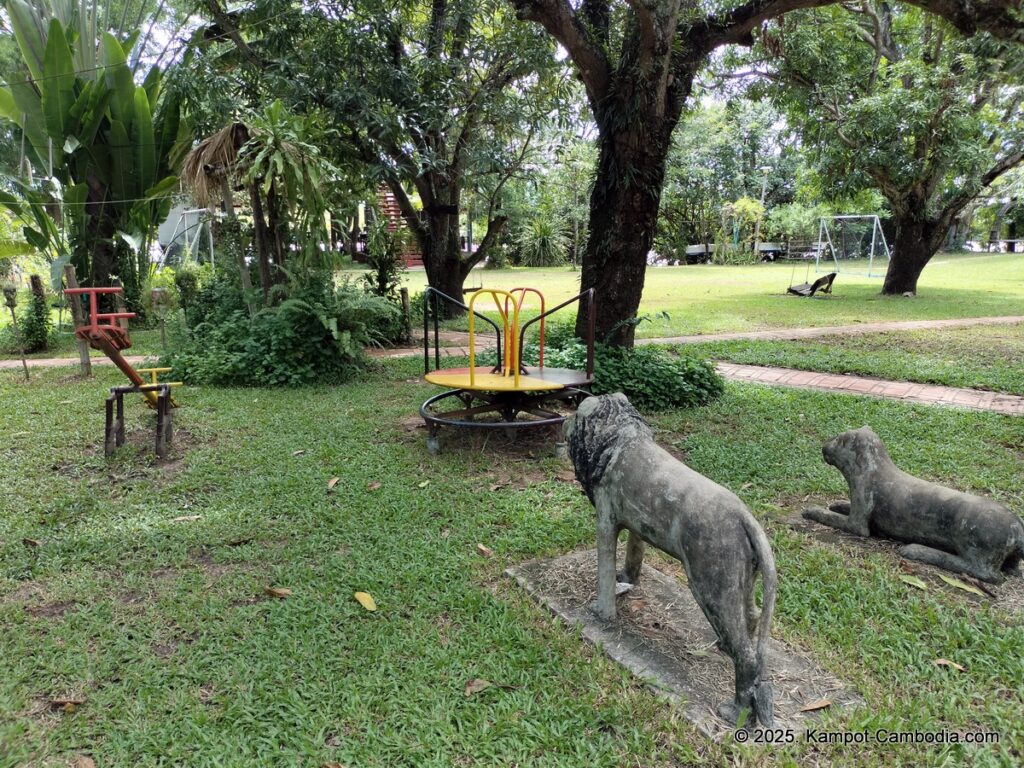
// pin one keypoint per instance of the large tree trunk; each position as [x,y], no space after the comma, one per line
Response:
[913,248]
[636,135]
[442,257]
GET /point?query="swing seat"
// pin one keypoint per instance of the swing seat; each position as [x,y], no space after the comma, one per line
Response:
[823,284]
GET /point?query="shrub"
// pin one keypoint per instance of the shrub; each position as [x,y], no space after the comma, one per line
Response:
[542,243]
[36,322]
[189,279]
[376,320]
[653,378]
[315,336]
[384,258]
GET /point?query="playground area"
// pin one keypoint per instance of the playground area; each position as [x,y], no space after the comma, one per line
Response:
[202,592]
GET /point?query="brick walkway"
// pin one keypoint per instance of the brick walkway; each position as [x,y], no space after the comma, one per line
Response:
[928,394]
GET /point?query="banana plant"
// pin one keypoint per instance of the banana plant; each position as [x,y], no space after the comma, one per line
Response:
[112,145]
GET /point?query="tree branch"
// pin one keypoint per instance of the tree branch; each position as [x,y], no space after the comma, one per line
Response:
[561,22]
[1000,18]
[225,22]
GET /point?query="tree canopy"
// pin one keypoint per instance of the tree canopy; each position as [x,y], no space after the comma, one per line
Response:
[892,98]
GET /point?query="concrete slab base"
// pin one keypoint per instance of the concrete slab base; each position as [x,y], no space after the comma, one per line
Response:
[661,636]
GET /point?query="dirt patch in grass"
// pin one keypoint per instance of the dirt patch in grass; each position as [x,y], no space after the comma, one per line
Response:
[51,610]
[1007,597]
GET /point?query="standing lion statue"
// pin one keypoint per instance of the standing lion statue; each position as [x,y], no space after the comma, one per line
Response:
[635,484]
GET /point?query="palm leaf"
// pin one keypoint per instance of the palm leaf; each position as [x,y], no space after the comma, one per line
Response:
[28,30]
[58,87]
[145,147]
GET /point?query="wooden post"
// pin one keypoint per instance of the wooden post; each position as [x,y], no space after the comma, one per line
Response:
[119,304]
[9,297]
[78,316]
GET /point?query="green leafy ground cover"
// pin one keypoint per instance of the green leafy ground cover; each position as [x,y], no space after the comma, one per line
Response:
[984,357]
[140,589]
[717,299]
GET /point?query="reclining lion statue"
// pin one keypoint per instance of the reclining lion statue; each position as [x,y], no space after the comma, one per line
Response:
[947,528]
[635,484]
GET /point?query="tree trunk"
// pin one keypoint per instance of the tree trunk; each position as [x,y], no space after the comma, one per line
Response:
[623,220]
[913,247]
[261,235]
[442,257]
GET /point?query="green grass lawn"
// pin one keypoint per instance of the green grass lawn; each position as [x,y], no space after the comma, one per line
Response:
[144,342]
[713,299]
[984,357]
[138,587]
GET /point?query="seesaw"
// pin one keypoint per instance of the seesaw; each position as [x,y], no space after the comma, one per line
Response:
[508,395]
[103,332]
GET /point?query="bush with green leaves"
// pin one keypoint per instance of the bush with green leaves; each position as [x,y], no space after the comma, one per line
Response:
[36,322]
[542,242]
[316,335]
[384,258]
[653,378]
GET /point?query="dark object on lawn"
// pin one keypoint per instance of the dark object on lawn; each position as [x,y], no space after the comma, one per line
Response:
[113,436]
[823,284]
[947,528]
[635,484]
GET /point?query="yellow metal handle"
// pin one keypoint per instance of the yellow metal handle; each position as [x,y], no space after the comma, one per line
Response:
[511,331]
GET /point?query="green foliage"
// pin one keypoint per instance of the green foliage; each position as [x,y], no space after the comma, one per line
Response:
[296,180]
[385,260]
[794,221]
[314,336]
[104,136]
[188,280]
[542,242]
[165,280]
[36,325]
[722,153]
[889,98]
[653,378]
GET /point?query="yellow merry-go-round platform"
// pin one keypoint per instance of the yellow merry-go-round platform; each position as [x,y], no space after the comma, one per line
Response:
[508,394]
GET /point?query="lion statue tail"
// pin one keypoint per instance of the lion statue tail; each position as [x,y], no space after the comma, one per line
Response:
[769,579]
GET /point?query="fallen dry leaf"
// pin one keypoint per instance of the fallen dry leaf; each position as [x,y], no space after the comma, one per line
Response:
[475,686]
[82,761]
[373,486]
[424,484]
[961,585]
[279,592]
[333,765]
[914,581]
[816,705]
[299,452]
[31,542]
[366,600]
[948,663]
[485,551]
[746,485]
[66,704]
[331,483]
[185,518]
